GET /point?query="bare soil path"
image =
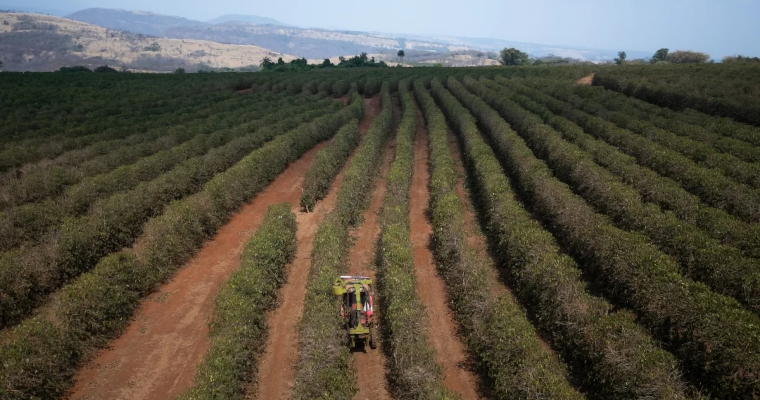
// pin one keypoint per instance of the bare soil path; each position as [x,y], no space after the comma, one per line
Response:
[276,370]
[586,80]
[157,356]
[442,334]
[370,364]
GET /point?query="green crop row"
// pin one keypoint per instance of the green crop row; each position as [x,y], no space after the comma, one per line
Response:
[414,373]
[238,330]
[713,336]
[608,352]
[30,222]
[703,153]
[710,185]
[505,345]
[45,139]
[50,177]
[681,97]
[704,259]
[325,365]
[652,187]
[41,354]
[28,274]
[327,164]
[355,194]
[666,118]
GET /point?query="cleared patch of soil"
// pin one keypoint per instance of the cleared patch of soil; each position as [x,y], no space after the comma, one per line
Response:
[442,334]
[157,356]
[586,80]
[276,374]
[370,364]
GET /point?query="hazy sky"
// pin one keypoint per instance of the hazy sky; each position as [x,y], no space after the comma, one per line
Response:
[719,27]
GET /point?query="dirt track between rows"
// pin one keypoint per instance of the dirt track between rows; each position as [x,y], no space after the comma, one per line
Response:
[158,354]
[442,332]
[370,364]
[276,370]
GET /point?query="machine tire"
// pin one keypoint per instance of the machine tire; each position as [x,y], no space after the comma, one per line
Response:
[373,337]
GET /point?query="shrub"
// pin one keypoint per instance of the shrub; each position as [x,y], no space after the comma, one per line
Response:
[238,330]
[687,57]
[327,164]
[506,347]
[40,355]
[601,345]
[686,316]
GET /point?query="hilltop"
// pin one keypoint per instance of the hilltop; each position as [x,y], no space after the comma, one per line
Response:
[31,42]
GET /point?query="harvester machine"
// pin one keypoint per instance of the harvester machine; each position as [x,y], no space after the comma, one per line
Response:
[357,309]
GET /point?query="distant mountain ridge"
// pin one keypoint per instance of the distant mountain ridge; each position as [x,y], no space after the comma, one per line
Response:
[143,22]
[314,43]
[250,19]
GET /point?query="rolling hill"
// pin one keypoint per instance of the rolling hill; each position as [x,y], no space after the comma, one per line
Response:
[31,42]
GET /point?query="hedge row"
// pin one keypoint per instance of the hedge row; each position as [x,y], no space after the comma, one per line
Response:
[30,222]
[414,373]
[50,177]
[325,364]
[327,164]
[82,129]
[673,121]
[41,354]
[355,191]
[713,336]
[702,153]
[652,187]
[710,185]
[238,330]
[679,99]
[609,354]
[506,347]
[702,258]
[28,274]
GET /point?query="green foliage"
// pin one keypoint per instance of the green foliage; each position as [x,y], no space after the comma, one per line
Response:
[76,68]
[687,57]
[413,371]
[685,315]
[620,60]
[105,69]
[505,344]
[238,330]
[355,192]
[327,164]
[723,90]
[512,56]
[660,56]
[39,356]
[29,273]
[584,328]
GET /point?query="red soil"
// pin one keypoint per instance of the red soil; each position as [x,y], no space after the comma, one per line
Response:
[157,356]
[276,374]
[370,364]
[442,334]
[276,368]
[245,90]
[586,80]
[475,238]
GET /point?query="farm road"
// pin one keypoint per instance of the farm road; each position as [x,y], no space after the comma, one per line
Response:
[277,367]
[442,332]
[158,354]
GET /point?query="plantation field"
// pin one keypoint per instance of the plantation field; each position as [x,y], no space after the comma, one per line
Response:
[177,236]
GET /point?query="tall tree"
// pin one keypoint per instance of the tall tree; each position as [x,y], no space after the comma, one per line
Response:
[660,56]
[512,56]
[401,55]
[620,60]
